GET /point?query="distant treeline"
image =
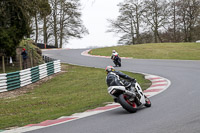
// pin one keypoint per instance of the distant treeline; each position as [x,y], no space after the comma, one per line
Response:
[42,46]
[154,21]
[52,21]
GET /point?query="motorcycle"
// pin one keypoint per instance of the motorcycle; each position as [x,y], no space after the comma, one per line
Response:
[117,61]
[130,99]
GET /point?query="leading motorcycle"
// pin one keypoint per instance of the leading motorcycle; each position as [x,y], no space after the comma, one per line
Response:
[130,99]
[117,61]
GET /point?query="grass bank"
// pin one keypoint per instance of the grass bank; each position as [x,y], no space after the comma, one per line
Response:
[76,90]
[10,69]
[181,51]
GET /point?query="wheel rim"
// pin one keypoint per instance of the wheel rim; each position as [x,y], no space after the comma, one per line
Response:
[130,103]
[147,101]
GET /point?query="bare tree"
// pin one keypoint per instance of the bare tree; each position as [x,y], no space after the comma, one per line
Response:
[173,14]
[156,16]
[65,21]
[70,21]
[54,20]
[60,23]
[41,12]
[188,12]
[128,22]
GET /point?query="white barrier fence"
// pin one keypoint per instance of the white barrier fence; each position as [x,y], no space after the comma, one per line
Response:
[14,80]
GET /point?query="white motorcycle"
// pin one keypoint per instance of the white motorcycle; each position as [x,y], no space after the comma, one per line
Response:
[130,99]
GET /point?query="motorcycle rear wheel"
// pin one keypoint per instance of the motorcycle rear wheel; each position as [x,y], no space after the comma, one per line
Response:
[126,104]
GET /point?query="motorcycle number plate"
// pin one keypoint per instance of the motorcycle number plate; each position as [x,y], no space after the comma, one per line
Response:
[113,91]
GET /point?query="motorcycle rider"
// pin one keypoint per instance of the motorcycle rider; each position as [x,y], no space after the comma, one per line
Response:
[115,56]
[117,78]
[114,53]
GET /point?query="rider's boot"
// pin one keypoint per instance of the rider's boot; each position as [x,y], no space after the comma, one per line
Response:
[116,100]
[137,100]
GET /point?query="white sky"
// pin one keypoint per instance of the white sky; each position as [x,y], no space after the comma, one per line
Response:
[94,15]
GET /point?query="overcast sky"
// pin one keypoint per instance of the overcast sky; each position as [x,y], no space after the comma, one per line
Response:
[94,15]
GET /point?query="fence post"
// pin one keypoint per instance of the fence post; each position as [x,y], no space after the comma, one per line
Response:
[31,57]
[3,64]
[20,62]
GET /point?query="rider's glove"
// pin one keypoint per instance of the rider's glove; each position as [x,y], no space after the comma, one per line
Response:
[133,80]
[127,85]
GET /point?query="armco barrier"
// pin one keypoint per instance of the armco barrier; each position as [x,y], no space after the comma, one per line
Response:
[14,80]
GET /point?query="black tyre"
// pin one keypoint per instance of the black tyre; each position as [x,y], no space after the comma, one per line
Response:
[148,102]
[126,104]
[119,63]
[115,63]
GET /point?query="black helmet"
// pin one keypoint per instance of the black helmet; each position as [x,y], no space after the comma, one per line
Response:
[109,69]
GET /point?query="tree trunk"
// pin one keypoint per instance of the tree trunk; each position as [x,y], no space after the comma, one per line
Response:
[138,26]
[3,64]
[45,30]
[62,17]
[155,19]
[36,29]
[185,28]
[61,35]
[55,24]
[174,21]
[132,34]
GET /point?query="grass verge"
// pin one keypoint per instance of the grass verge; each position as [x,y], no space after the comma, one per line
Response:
[10,69]
[181,51]
[76,90]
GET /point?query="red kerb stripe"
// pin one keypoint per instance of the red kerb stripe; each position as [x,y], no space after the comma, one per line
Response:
[158,85]
[153,90]
[104,108]
[51,122]
[159,81]
[154,78]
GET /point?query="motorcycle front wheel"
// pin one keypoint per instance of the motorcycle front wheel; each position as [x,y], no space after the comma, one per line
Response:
[148,102]
[126,104]
[119,63]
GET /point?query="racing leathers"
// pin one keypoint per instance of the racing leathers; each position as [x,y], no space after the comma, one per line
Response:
[114,54]
[116,78]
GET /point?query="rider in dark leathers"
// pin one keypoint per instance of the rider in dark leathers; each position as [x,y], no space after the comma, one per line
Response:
[116,78]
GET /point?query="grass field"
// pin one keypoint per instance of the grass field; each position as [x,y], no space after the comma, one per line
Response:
[180,51]
[10,69]
[76,90]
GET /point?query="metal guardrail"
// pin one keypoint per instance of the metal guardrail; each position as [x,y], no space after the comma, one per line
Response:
[47,59]
[14,80]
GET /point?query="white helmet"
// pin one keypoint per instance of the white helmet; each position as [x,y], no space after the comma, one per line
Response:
[113,51]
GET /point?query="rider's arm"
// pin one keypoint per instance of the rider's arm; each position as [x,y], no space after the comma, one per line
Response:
[124,76]
[112,80]
[111,56]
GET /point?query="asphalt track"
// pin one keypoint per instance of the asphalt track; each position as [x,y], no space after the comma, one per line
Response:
[176,110]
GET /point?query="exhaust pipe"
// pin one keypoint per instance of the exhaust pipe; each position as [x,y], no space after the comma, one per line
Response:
[129,93]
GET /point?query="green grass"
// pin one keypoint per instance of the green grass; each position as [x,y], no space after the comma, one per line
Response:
[77,90]
[9,69]
[181,51]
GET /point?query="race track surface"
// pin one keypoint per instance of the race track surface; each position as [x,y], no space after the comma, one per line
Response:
[176,110]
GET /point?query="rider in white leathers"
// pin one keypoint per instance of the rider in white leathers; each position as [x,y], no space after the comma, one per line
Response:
[114,53]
